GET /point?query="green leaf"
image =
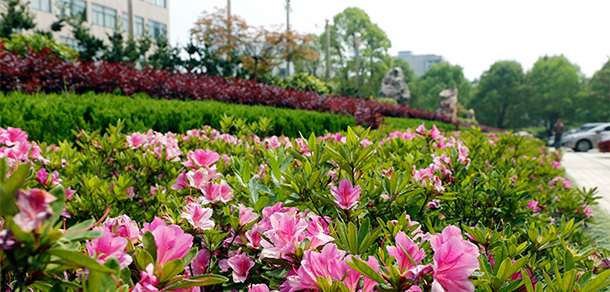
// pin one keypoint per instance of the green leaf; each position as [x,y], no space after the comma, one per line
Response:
[568,261]
[202,280]
[598,282]
[85,235]
[189,257]
[171,269]
[143,259]
[527,281]
[148,241]
[3,169]
[366,270]
[78,258]
[9,188]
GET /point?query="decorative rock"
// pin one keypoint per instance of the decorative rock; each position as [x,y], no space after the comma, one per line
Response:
[394,86]
[448,103]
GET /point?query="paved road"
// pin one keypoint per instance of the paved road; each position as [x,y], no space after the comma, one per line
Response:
[590,169]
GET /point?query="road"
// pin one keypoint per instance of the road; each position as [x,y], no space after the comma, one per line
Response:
[590,169]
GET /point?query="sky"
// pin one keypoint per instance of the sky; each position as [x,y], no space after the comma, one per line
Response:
[472,34]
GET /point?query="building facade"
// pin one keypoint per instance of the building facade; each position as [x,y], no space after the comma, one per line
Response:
[420,63]
[104,16]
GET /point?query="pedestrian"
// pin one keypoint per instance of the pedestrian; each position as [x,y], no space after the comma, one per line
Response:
[558,130]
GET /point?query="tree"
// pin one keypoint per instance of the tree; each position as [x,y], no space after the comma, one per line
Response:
[554,85]
[164,56]
[599,86]
[222,41]
[499,96]
[438,77]
[349,26]
[16,17]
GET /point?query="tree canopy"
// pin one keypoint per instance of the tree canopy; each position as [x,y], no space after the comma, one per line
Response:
[499,96]
[438,77]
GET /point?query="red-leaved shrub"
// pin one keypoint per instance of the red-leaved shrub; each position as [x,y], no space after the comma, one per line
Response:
[42,71]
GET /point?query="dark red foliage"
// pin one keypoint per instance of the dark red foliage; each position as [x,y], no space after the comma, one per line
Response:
[42,71]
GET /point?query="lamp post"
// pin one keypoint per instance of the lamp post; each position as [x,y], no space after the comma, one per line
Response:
[357,45]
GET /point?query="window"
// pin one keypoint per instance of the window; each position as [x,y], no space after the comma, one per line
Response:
[41,5]
[125,22]
[160,3]
[104,16]
[70,42]
[138,26]
[156,29]
[72,8]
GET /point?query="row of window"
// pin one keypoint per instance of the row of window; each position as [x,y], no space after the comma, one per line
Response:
[106,17]
[45,5]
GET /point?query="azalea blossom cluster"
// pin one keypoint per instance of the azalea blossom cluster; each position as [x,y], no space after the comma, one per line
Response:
[14,145]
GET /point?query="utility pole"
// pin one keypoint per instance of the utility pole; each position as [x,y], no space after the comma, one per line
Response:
[228,9]
[287,30]
[357,45]
[130,18]
[327,51]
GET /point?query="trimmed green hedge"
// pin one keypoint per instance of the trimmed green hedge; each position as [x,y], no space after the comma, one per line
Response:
[51,117]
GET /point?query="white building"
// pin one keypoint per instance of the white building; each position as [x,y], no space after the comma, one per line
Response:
[420,63]
[104,16]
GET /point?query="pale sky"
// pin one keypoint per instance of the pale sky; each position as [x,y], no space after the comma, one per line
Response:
[472,34]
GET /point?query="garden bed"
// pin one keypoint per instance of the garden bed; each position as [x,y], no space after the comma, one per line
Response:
[412,210]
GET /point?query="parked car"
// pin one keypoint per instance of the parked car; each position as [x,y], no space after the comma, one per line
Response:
[586,140]
[604,145]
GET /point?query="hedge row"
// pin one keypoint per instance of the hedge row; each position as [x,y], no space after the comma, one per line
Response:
[42,71]
[51,117]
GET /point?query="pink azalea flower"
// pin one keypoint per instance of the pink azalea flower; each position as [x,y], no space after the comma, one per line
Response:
[198,216]
[34,208]
[241,265]
[123,226]
[70,193]
[328,264]
[137,140]
[454,261]
[172,243]
[227,159]
[11,136]
[258,288]
[108,246]
[253,237]
[181,182]
[404,246]
[246,216]
[198,178]
[435,134]
[201,158]
[149,281]
[534,206]
[272,142]
[214,193]
[284,234]
[201,262]
[346,195]
[42,176]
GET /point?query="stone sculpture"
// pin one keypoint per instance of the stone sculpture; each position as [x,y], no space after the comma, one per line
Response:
[448,103]
[394,86]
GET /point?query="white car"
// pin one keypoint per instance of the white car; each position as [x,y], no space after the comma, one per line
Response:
[586,140]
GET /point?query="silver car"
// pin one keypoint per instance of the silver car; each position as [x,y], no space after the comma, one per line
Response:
[586,140]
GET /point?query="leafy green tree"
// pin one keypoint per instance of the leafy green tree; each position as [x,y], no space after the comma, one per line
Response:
[374,58]
[164,56]
[555,86]
[438,77]
[115,53]
[499,97]
[599,99]
[16,16]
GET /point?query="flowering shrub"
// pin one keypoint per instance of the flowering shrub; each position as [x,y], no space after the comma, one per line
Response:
[41,71]
[354,211]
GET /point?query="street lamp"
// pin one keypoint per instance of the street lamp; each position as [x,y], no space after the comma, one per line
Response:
[356,46]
